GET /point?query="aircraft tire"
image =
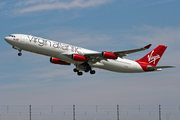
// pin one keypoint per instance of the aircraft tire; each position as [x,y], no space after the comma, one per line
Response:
[19,54]
[92,72]
[79,73]
[75,70]
[86,70]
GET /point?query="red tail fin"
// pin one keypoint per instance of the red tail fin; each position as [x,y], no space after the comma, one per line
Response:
[154,56]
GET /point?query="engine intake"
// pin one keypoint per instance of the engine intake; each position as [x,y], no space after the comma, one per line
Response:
[57,61]
[108,55]
[77,57]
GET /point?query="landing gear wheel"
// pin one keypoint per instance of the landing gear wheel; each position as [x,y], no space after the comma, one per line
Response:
[75,70]
[92,72]
[86,70]
[79,73]
[19,54]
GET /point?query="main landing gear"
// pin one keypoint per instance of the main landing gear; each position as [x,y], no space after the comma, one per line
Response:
[83,67]
[79,73]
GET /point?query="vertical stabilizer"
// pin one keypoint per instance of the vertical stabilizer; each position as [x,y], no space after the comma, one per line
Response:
[154,56]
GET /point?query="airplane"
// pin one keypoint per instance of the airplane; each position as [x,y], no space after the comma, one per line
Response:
[84,59]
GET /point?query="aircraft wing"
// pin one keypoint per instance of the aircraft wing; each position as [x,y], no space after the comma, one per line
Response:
[124,53]
[97,57]
[117,53]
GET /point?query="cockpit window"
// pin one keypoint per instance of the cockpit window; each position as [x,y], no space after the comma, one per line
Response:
[11,36]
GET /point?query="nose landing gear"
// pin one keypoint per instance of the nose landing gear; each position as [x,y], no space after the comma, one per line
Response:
[16,48]
[19,54]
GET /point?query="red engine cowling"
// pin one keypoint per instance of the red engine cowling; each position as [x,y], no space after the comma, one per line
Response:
[57,61]
[77,57]
[108,55]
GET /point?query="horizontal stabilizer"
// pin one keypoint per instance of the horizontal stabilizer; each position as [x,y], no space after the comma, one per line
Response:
[159,67]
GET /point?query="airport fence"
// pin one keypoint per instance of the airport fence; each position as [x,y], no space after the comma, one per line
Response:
[89,112]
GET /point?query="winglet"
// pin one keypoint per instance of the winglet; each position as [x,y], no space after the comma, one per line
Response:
[147,46]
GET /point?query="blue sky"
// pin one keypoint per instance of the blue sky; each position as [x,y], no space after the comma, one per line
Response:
[97,25]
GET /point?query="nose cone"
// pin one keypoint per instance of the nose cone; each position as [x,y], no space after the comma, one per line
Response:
[6,39]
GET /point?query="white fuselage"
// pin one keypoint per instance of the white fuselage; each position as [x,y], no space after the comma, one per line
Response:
[60,50]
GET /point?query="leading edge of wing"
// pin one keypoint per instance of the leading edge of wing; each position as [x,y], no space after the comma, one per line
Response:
[119,53]
[125,52]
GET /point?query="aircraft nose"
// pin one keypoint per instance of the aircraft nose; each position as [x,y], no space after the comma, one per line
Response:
[7,39]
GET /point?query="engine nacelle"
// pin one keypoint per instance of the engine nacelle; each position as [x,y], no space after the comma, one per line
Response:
[77,57]
[108,55]
[57,61]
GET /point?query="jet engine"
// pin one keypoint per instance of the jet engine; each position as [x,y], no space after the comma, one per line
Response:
[57,61]
[108,55]
[77,57]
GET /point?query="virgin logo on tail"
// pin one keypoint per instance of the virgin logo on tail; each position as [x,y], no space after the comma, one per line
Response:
[152,58]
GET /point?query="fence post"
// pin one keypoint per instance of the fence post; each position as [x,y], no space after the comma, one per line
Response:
[7,109]
[139,108]
[29,112]
[96,108]
[159,112]
[73,112]
[117,112]
[52,108]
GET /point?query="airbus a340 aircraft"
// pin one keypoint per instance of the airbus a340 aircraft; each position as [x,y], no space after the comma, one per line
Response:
[85,59]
